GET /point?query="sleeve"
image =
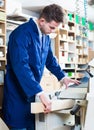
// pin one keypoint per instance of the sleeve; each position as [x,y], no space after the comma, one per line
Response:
[20,64]
[53,66]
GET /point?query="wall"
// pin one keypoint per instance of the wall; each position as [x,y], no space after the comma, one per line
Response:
[15,8]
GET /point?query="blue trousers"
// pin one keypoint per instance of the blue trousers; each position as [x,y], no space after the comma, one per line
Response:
[18,129]
[21,129]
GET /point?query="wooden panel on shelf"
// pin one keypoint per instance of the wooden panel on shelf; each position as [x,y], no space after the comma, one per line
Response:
[2,34]
[57,44]
[2,46]
[91,54]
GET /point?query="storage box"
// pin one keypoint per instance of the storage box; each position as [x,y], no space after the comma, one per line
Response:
[2,16]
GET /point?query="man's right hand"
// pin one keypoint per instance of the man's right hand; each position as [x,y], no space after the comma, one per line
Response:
[46,102]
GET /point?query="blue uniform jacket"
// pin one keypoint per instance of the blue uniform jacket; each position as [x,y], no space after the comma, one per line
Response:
[25,64]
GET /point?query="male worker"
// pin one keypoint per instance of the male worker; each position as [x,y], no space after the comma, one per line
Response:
[29,51]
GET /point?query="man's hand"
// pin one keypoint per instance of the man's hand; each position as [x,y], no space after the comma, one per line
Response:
[67,80]
[46,102]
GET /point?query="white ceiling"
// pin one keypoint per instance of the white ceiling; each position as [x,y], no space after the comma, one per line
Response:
[37,5]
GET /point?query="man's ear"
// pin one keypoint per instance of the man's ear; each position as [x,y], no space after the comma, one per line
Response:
[42,20]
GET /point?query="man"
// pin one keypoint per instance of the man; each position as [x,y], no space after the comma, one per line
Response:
[29,51]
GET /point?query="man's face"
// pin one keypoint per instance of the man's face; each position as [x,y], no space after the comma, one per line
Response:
[47,27]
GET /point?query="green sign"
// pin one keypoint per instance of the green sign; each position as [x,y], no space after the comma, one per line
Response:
[91,26]
[77,19]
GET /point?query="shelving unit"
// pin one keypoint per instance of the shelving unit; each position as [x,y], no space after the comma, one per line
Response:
[71,47]
[2,45]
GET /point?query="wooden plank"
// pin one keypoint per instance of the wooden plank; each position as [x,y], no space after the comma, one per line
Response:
[38,107]
[3,125]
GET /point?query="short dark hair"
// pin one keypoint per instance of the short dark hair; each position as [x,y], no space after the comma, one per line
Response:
[52,12]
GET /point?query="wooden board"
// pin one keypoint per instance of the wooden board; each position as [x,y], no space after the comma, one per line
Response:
[3,125]
[38,107]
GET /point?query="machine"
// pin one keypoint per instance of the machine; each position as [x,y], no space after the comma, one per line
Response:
[89,121]
[70,117]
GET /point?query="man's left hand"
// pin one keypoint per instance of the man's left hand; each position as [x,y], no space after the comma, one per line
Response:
[66,81]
